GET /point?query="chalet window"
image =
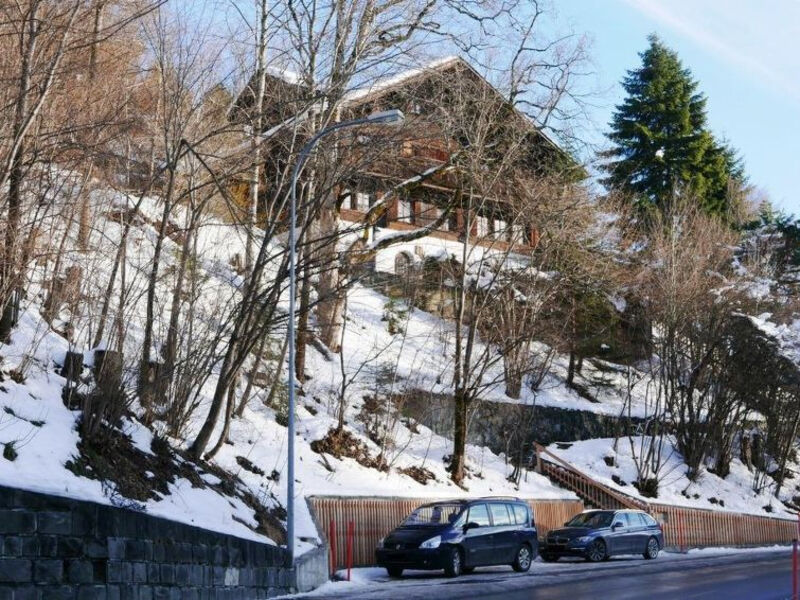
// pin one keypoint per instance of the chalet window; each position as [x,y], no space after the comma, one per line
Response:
[403,264]
[518,233]
[498,228]
[483,226]
[405,211]
[452,222]
[360,201]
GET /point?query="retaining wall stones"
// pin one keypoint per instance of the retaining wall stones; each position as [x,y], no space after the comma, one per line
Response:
[54,548]
[496,424]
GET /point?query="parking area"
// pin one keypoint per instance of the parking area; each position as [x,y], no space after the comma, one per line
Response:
[763,573]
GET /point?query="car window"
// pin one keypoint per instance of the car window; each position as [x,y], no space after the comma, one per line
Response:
[648,520]
[623,518]
[592,519]
[521,514]
[500,514]
[478,514]
[433,515]
[641,521]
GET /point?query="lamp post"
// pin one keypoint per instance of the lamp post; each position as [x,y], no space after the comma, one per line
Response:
[389,117]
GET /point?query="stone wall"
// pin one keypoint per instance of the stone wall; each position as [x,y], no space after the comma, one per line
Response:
[502,426]
[53,548]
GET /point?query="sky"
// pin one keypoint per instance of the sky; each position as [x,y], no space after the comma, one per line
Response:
[745,55]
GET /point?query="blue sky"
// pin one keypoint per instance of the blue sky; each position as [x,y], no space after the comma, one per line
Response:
[744,53]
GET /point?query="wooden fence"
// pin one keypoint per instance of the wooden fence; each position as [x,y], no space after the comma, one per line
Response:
[698,528]
[375,517]
[683,527]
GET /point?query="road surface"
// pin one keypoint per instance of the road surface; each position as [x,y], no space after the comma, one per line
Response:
[753,575]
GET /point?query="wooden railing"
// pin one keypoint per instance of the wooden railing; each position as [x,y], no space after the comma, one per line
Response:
[590,491]
[374,517]
[683,527]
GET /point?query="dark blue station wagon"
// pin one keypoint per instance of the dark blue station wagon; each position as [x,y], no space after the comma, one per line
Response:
[599,534]
[459,535]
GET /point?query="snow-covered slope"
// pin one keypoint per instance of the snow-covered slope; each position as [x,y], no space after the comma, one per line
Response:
[43,431]
[735,492]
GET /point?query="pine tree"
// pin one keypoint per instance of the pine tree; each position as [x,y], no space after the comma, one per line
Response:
[662,146]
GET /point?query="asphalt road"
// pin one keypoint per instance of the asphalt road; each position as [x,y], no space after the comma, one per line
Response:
[745,576]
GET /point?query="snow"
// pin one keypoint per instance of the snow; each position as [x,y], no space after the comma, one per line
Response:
[421,357]
[734,493]
[387,82]
[44,430]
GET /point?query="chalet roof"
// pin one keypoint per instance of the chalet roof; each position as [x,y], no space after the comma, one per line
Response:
[379,87]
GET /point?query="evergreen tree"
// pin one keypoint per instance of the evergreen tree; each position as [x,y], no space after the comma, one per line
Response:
[662,146]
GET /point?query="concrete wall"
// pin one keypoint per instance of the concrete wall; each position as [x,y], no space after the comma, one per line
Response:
[53,548]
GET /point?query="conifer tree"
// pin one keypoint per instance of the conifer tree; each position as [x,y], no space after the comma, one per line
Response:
[662,145]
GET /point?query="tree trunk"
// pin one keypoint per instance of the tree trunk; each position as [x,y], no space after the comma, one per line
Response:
[171,344]
[302,321]
[330,308]
[226,427]
[571,368]
[10,279]
[258,108]
[459,438]
[144,386]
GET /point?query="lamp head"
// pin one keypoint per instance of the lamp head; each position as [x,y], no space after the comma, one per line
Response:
[387,117]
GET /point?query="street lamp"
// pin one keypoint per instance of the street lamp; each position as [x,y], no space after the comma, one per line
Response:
[388,117]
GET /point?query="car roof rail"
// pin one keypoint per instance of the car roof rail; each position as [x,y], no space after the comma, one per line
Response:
[499,498]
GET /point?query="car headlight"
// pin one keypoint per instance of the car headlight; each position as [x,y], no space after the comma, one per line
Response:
[380,542]
[432,543]
[585,538]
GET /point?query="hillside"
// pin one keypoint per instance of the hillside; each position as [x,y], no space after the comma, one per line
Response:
[379,452]
[43,443]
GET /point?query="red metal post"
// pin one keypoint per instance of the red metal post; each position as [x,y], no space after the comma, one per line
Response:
[351,529]
[332,540]
[794,570]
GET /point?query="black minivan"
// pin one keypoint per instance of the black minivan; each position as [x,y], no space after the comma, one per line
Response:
[599,534]
[459,535]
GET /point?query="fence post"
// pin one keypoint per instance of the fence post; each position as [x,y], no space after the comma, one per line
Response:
[351,529]
[332,539]
[794,569]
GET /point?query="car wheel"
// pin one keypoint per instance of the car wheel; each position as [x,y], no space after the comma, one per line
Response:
[394,571]
[454,563]
[596,551]
[549,557]
[523,559]
[651,551]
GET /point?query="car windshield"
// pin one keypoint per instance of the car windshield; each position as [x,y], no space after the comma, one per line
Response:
[592,519]
[433,514]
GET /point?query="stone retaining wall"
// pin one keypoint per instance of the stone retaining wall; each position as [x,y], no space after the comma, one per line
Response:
[53,548]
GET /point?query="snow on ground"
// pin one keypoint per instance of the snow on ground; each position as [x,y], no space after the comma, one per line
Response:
[364,579]
[44,436]
[44,448]
[734,493]
[374,362]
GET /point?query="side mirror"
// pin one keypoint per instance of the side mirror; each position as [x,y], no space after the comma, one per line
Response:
[471,525]
[617,525]
[566,524]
